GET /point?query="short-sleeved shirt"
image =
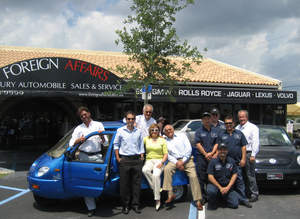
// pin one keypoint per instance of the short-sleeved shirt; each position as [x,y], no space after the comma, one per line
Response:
[155,149]
[234,143]
[222,171]
[207,138]
[220,126]
[93,144]
[143,124]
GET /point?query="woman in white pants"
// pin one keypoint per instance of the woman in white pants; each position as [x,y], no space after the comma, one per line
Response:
[156,156]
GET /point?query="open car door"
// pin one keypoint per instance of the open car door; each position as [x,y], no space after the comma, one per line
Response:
[87,178]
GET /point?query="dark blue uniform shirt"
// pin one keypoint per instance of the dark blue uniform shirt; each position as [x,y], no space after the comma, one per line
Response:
[220,126]
[222,171]
[234,143]
[206,138]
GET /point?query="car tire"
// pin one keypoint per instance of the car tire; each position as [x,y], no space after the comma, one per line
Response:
[44,202]
[180,192]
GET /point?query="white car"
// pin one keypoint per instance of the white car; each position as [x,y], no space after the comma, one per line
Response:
[189,127]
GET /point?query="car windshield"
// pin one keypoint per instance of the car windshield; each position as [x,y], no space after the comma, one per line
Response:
[297,120]
[60,147]
[179,124]
[195,125]
[273,136]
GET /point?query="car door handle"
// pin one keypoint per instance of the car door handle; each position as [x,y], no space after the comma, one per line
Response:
[97,169]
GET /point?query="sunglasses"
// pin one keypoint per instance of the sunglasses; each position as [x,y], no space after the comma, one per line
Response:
[130,119]
[154,130]
[228,123]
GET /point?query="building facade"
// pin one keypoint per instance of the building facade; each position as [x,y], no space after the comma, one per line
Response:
[40,90]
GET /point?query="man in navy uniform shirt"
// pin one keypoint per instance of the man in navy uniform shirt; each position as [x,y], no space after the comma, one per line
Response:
[222,174]
[206,144]
[236,143]
[215,120]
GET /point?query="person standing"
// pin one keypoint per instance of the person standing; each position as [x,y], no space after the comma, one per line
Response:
[206,143]
[144,121]
[215,120]
[251,133]
[129,151]
[222,174]
[236,143]
[179,156]
[90,149]
[156,156]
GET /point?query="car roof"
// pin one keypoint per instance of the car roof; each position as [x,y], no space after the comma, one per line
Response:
[113,124]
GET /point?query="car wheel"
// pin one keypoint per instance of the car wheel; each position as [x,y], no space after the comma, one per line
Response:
[41,201]
[180,192]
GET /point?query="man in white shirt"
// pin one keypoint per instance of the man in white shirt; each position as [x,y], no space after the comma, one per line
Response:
[144,121]
[90,149]
[251,133]
[180,157]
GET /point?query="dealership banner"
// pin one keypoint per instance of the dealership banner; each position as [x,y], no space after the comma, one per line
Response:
[223,95]
[56,76]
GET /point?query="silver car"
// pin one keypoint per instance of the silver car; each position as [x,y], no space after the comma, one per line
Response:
[189,127]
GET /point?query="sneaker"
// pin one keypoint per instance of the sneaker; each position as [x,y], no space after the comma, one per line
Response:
[246,204]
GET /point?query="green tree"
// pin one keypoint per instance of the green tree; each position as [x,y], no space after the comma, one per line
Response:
[149,39]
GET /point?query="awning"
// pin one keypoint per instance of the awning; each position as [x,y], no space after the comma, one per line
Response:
[56,76]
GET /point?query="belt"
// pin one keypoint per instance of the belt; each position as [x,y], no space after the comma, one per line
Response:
[132,157]
[91,153]
[249,151]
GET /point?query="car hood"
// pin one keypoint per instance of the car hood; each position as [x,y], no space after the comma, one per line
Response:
[275,156]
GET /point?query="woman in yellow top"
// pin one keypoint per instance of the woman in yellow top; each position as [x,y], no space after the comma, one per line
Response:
[156,155]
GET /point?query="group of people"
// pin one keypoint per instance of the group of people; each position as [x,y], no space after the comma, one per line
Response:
[225,160]
[144,146]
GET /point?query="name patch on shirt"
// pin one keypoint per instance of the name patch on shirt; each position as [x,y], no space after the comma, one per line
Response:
[218,167]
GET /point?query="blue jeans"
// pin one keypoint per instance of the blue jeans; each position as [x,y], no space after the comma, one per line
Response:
[240,186]
[214,197]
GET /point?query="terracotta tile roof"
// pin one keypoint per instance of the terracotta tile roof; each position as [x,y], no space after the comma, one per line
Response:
[208,72]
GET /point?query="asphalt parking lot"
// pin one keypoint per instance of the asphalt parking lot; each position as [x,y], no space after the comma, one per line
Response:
[16,201]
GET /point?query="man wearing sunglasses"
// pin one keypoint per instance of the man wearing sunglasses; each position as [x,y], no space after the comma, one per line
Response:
[144,121]
[129,151]
[90,149]
[236,143]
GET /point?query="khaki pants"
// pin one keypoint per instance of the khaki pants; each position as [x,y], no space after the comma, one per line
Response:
[189,169]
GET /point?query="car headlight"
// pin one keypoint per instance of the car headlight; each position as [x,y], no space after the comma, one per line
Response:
[298,160]
[42,171]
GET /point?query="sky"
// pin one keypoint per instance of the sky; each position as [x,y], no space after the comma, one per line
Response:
[262,36]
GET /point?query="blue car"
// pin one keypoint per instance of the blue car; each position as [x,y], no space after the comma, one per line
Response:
[59,174]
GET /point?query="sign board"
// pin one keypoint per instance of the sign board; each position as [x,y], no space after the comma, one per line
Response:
[54,76]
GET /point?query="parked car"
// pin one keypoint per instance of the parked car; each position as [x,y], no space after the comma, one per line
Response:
[296,127]
[278,161]
[59,174]
[189,127]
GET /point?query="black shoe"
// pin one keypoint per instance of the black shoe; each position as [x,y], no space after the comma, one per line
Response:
[91,212]
[246,204]
[253,198]
[125,210]
[136,209]
[203,201]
